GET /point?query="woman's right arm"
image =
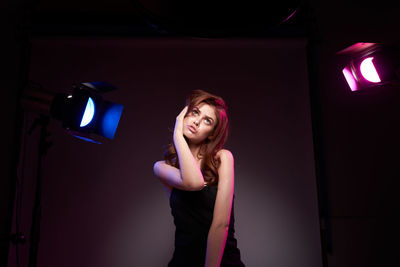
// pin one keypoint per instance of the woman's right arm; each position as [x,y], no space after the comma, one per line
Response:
[188,177]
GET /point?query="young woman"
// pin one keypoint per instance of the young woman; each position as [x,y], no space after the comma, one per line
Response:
[198,175]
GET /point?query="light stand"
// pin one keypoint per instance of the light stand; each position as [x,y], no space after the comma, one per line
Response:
[70,109]
[43,146]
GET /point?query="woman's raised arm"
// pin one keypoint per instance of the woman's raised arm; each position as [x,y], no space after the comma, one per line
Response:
[188,176]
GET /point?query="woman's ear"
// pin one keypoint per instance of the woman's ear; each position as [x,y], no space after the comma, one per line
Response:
[212,134]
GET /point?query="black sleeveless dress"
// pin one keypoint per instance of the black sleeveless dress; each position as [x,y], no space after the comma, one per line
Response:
[193,213]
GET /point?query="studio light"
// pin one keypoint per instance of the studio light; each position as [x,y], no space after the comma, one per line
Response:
[370,65]
[83,113]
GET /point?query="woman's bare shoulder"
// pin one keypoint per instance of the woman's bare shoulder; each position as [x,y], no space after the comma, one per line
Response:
[224,154]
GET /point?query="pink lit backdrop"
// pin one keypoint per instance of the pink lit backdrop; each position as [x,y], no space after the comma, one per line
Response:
[102,206]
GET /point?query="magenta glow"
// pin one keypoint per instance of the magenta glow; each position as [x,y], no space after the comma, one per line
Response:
[368,70]
[350,79]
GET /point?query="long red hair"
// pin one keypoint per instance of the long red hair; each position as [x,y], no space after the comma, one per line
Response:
[213,143]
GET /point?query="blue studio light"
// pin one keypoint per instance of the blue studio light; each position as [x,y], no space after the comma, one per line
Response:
[110,120]
[89,113]
[85,114]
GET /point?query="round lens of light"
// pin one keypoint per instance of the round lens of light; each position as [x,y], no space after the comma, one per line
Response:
[89,113]
[368,70]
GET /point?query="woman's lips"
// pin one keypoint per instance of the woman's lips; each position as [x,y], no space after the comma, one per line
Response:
[192,129]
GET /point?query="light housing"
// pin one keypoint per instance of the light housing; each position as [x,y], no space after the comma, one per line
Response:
[370,65]
[83,113]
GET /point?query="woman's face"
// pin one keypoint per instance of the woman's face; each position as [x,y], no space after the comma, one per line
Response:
[199,123]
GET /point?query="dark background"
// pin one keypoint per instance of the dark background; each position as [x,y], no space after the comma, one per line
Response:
[102,204]
[355,135]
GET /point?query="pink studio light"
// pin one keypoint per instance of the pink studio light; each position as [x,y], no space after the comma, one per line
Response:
[350,79]
[368,70]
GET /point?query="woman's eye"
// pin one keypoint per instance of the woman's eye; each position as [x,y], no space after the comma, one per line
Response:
[194,112]
[208,122]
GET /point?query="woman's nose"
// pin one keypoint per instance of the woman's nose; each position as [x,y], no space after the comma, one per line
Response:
[196,122]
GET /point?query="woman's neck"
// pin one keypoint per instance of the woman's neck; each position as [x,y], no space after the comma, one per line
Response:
[194,148]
